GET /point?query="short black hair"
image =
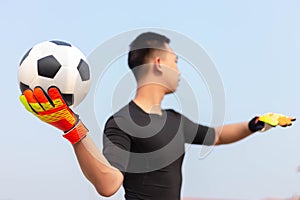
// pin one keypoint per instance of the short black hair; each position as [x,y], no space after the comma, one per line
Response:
[143,46]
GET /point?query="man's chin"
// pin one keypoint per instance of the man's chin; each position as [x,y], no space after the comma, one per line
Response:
[171,91]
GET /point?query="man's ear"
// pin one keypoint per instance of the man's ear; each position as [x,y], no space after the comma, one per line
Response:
[157,65]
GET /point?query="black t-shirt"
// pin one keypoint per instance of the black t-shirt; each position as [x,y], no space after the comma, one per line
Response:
[149,149]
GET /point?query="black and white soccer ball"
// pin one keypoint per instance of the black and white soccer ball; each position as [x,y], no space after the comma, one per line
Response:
[56,63]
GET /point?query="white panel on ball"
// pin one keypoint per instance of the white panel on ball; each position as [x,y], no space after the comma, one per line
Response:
[55,63]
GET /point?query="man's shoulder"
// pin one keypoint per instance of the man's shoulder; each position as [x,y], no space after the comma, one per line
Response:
[173,112]
[122,113]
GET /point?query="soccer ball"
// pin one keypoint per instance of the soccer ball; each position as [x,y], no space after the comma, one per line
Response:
[56,63]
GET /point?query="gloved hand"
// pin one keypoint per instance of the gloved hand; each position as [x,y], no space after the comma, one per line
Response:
[51,108]
[269,120]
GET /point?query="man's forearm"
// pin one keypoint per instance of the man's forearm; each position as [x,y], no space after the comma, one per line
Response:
[96,168]
[231,133]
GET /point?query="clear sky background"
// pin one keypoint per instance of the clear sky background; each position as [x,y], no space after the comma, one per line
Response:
[255,46]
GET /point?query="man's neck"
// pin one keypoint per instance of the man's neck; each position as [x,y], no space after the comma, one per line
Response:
[149,99]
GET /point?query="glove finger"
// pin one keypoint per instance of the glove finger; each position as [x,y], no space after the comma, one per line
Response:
[32,101]
[285,121]
[56,97]
[289,122]
[43,98]
[26,104]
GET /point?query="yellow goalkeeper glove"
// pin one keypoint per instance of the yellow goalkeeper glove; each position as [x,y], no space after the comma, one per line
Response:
[274,119]
[266,121]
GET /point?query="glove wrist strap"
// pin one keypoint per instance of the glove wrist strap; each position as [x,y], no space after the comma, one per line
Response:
[255,125]
[77,133]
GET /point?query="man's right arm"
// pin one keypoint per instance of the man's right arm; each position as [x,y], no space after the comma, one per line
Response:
[51,108]
[105,178]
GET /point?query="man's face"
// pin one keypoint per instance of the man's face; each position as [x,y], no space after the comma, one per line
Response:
[171,73]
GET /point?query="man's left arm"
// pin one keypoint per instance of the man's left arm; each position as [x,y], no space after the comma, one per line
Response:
[231,133]
[234,132]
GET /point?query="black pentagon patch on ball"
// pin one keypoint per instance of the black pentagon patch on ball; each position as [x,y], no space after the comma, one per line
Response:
[69,99]
[61,43]
[25,56]
[84,70]
[48,66]
[23,87]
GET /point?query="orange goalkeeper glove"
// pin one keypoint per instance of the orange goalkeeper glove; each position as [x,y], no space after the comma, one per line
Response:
[51,108]
[266,121]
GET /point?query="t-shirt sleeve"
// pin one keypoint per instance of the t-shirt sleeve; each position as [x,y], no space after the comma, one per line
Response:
[116,145]
[196,133]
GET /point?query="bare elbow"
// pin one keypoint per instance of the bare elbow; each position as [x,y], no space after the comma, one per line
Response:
[110,187]
[106,193]
[218,140]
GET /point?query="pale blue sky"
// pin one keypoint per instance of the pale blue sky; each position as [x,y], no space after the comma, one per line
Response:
[255,46]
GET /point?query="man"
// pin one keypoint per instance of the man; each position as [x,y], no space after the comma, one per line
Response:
[143,144]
